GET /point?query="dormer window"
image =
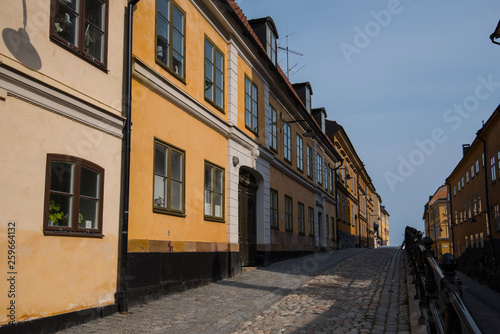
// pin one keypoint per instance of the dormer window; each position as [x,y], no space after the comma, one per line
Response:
[308,99]
[271,44]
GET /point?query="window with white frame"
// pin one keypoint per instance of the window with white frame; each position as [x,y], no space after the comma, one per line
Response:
[251,105]
[168,193]
[477,166]
[214,75]
[214,192]
[300,153]
[493,169]
[274,129]
[472,171]
[288,214]
[274,209]
[271,44]
[170,37]
[287,142]
[82,27]
[320,167]
[467,177]
[309,160]
[73,197]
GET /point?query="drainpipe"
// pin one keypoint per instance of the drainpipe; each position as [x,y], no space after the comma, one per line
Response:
[121,295]
[487,198]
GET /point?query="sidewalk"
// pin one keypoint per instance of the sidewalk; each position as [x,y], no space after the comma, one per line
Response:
[347,291]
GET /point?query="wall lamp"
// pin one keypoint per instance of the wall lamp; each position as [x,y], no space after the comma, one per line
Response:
[309,133]
[496,34]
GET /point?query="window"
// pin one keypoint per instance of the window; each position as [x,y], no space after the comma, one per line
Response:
[274,209]
[251,111]
[467,177]
[82,27]
[274,129]
[287,142]
[477,166]
[479,207]
[472,171]
[271,45]
[73,196]
[168,179]
[496,214]
[482,158]
[300,153]
[170,32]
[288,214]
[475,206]
[331,181]
[214,192]
[326,177]
[311,221]
[301,218]
[462,181]
[320,166]
[214,75]
[309,158]
[493,169]
[308,99]
[454,190]
[458,185]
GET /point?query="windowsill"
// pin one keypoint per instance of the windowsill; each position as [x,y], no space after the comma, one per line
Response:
[289,230]
[73,234]
[170,213]
[170,71]
[75,51]
[215,105]
[215,220]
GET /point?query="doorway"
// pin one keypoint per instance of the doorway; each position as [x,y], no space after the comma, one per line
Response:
[247,222]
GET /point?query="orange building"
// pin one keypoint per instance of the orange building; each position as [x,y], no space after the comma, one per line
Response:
[436,221]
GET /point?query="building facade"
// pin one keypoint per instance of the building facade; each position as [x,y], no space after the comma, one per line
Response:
[436,221]
[61,80]
[474,200]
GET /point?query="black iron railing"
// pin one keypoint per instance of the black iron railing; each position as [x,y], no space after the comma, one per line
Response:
[439,291]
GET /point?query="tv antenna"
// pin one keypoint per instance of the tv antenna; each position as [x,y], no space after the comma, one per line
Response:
[288,51]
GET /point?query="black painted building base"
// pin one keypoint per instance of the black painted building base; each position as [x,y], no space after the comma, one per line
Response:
[58,322]
[152,275]
[264,258]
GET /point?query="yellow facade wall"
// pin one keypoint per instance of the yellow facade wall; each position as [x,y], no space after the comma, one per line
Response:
[197,27]
[155,117]
[55,274]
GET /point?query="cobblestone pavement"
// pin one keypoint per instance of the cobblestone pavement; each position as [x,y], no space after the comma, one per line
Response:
[347,291]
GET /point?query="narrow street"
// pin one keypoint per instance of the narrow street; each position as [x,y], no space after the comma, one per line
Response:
[347,291]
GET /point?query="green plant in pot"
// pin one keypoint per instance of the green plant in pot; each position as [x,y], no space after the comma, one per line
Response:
[56,216]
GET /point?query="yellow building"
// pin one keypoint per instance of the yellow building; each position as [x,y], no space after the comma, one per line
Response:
[61,84]
[436,221]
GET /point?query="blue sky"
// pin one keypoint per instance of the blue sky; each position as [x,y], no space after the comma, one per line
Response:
[410,81]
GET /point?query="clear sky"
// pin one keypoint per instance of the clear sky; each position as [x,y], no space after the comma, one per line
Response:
[410,81]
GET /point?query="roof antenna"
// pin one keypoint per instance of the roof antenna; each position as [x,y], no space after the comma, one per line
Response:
[287,50]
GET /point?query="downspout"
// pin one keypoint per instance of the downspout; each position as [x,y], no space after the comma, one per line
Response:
[487,199]
[122,290]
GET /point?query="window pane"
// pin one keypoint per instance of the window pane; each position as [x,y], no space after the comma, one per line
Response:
[218,206]
[219,181]
[94,42]
[209,51]
[178,62]
[89,183]
[60,210]
[94,12]
[87,217]
[219,97]
[178,42]
[176,195]
[61,177]
[178,20]
[160,191]
[219,60]
[73,4]
[176,165]
[163,7]
[161,153]
[209,177]
[208,203]
[219,79]
[66,24]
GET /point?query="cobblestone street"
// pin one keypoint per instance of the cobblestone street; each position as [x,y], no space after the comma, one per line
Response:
[348,291]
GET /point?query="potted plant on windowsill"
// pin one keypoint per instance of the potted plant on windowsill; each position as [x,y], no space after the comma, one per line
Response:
[56,216]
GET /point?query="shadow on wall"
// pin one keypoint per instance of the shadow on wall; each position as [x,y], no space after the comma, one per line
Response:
[19,45]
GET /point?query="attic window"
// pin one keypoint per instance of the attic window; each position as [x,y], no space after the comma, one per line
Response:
[271,44]
[308,99]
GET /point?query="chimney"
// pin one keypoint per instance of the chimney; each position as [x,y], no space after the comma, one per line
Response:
[465,148]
